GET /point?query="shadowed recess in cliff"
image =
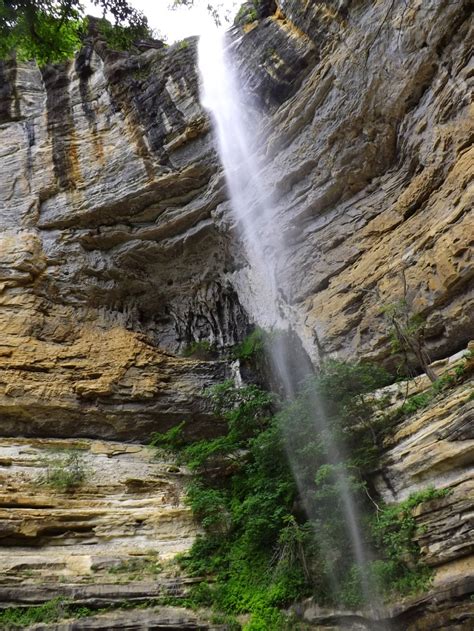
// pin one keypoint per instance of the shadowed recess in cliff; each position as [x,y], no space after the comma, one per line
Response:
[61,125]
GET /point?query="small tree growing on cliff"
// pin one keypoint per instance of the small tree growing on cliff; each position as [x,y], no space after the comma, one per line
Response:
[408,332]
[65,470]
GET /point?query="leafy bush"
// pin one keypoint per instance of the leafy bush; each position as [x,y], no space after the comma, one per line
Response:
[268,493]
[203,349]
[171,440]
[121,37]
[270,497]
[65,470]
[407,334]
[251,347]
[139,566]
[49,612]
[423,399]
[416,402]
[394,529]
[53,31]
[54,41]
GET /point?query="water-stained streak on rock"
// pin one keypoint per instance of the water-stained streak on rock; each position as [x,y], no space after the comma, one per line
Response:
[61,125]
[142,94]
[9,106]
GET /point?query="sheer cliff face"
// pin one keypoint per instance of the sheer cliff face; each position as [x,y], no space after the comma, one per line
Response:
[116,242]
[107,246]
[372,159]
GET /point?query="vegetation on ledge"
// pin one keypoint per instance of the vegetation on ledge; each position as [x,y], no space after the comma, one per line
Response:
[260,551]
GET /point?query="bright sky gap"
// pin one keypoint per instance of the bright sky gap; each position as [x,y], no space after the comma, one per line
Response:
[176,24]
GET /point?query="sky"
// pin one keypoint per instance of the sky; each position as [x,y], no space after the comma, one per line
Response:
[178,23]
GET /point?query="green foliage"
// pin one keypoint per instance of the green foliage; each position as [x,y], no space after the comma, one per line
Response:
[251,347]
[170,440]
[65,470]
[46,37]
[247,13]
[407,334]
[270,539]
[202,349]
[51,31]
[139,566]
[342,394]
[269,497]
[182,44]
[416,402]
[120,37]
[52,611]
[423,399]
[394,530]
[228,621]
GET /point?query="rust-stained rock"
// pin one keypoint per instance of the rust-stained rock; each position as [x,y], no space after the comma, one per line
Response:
[371,162]
[107,383]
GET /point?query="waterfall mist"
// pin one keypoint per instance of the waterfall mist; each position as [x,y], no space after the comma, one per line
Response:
[235,122]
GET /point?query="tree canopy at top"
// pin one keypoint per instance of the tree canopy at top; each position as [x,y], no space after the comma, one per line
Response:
[51,30]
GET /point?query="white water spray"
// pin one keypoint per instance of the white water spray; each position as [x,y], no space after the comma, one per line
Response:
[257,223]
[251,203]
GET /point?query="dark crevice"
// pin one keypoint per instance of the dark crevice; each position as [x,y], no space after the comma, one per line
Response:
[61,125]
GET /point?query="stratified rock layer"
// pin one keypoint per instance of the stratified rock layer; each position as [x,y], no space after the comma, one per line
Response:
[114,211]
[117,251]
[121,524]
[372,162]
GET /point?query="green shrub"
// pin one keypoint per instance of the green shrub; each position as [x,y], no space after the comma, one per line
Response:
[182,44]
[253,346]
[423,399]
[416,402]
[139,566]
[268,495]
[65,470]
[171,440]
[55,40]
[202,349]
[49,612]
[53,31]
[394,529]
[121,37]
[247,13]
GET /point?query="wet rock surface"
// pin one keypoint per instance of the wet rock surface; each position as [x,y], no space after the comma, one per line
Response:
[371,158]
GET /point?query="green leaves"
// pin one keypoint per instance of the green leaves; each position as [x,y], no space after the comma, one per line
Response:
[171,440]
[252,346]
[394,529]
[64,470]
[270,496]
[39,31]
[51,31]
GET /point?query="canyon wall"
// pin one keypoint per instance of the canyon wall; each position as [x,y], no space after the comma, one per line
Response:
[118,250]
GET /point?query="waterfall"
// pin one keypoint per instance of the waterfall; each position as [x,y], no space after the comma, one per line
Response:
[235,122]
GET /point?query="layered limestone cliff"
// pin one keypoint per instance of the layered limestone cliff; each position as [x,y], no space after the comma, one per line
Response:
[110,175]
[372,161]
[118,250]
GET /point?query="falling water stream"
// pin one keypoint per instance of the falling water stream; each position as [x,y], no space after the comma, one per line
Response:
[253,213]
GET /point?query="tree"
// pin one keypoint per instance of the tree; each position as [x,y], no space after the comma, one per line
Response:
[408,332]
[51,30]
